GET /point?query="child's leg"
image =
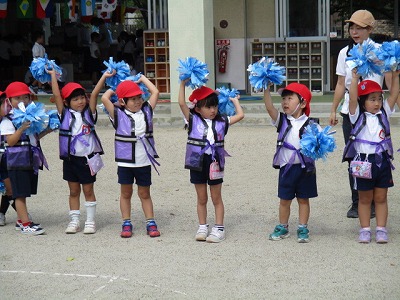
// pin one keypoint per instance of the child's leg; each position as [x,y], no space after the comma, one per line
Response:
[202,197]
[74,193]
[364,207]
[88,191]
[147,203]
[304,210]
[284,211]
[125,201]
[381,206]
[216,197]
[22,211]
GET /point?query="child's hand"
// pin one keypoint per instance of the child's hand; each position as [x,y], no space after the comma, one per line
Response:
[50,71]
[25,126]
[108,74]
[236,99]
[354,73]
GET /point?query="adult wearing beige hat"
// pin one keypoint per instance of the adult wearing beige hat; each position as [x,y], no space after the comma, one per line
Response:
[361,25]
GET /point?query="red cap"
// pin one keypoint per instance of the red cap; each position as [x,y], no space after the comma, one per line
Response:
[303,91]
[17,88]
[366,87]
[127,89]
[201,93]
[1,93]
[68,89]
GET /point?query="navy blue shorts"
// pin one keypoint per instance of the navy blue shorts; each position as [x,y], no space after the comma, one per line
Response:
[24,183]
[3,168]
[381,177]
[201,177]
[297,182]
[76,169]
[141,175]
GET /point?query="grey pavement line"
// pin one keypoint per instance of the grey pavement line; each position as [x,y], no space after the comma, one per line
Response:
[111,279]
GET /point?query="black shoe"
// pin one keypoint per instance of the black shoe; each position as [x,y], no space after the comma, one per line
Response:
[372,210]
[353,211]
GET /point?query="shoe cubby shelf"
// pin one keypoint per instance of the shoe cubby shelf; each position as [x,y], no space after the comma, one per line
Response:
[303,61]
[156,59]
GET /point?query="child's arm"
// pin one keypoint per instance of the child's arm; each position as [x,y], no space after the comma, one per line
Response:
[154,93]
[181,100]
[106,99]
[353,93]
[394,89]
[56,91]
[12,139]
[97,89]
[271,109]
[239,111]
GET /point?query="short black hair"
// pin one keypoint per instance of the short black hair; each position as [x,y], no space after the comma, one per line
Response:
[288,93]
[210,100]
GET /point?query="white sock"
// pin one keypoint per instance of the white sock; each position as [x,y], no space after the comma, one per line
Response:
[74,215]
[90,210]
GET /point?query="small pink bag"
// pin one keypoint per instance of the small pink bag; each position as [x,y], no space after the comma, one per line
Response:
[361,168]
[215,172]
[95,164]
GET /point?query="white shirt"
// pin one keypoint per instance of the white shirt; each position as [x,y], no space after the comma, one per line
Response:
[38,50]
[343,70]
[141,159]
[7,128]
[292,138]
[79,127]
[372,131]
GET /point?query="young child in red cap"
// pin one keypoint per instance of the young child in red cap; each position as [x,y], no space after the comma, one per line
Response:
[297,177]
[134,147]
[78,142]
[371,145]
[205,146]
[22,170]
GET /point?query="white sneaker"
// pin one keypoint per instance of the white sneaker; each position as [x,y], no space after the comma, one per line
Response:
[90,227]
[201,233]
[216,236]
[2,219]
[73,227]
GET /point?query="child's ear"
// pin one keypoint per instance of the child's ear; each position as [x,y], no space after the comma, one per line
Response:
[121,101]
[196,109]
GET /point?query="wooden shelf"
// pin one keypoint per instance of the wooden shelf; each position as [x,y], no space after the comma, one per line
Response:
[156,59]
[303,61]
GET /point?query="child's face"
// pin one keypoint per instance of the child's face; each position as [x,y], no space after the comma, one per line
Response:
[133,104]
[78,103]
[26,99]
[358,33]
[373,103]
[291,105]
[207,112]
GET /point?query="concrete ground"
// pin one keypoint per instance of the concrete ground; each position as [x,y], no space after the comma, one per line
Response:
[174,266]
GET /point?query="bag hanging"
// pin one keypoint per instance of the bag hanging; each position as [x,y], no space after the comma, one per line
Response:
[215,172]
[361,168]
[95,164]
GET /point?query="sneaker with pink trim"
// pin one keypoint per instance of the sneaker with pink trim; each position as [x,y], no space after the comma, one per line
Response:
[381,236]
[365,236]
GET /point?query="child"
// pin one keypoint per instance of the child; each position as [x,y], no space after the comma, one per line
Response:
[95,57]
[22,170]
[370,141]
[38,50]
[206,132]
[78,142]
[134,148]
[297,176]
[7,197]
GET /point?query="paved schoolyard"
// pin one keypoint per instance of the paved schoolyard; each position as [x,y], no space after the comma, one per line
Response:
[174,266]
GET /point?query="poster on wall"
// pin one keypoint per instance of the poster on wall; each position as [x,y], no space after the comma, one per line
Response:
[222,53]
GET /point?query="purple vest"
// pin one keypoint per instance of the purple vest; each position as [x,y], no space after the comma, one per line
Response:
[197,141]
[125,136]
[283,128]
[65,132]
[385,145]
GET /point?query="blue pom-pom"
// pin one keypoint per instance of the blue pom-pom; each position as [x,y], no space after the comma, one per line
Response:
[225,106]
[389,53]
[34,113]
[122,71]
[38,69]
[142,86]
[264,72]
[364,58]
[193,69]
[317,144]
[54,120]
[2,188]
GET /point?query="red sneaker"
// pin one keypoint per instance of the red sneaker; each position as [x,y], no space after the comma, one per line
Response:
[152,230]
[126,230]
